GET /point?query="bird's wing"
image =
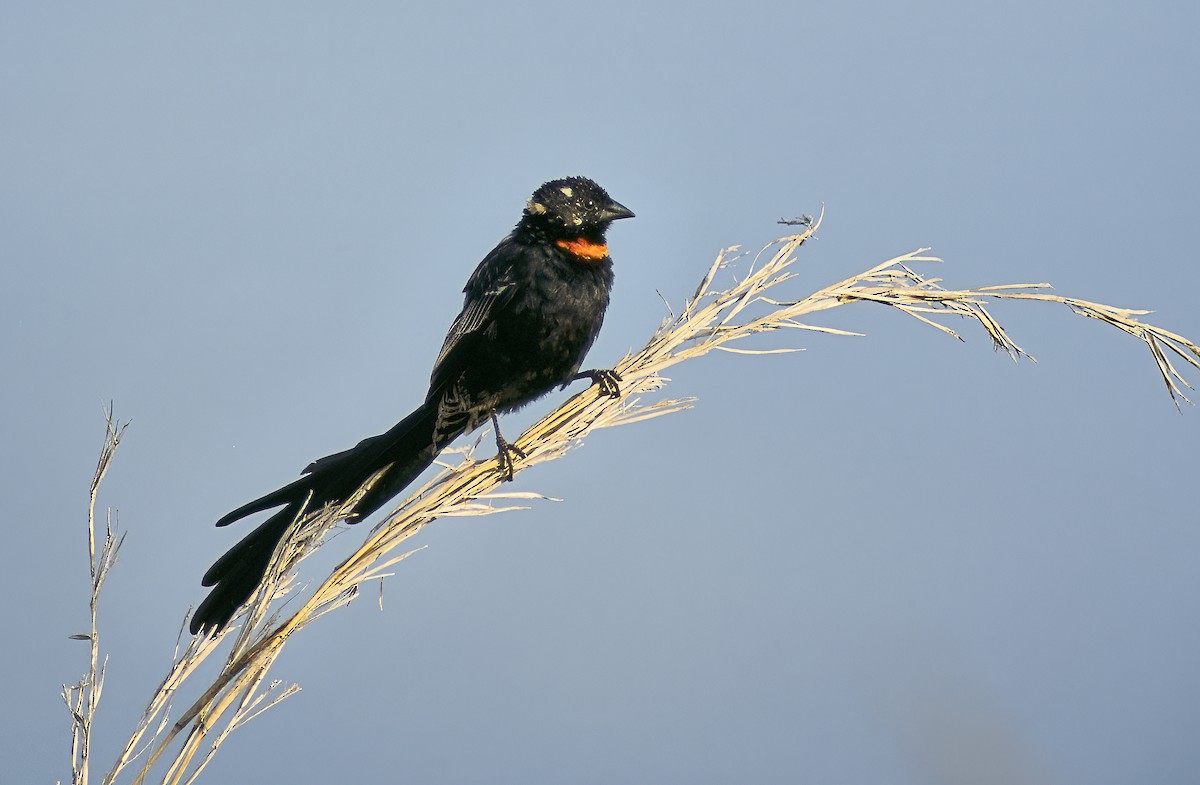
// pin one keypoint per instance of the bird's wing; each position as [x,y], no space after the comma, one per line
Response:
[490,288]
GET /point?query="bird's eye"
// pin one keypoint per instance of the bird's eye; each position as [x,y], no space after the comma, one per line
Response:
[590,204]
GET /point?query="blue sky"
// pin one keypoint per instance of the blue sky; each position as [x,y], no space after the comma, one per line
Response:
[886,559]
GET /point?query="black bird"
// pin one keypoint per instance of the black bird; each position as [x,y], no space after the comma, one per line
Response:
[533,307]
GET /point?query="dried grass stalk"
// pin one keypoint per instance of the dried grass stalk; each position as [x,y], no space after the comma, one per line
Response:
[83,697]
[711,319]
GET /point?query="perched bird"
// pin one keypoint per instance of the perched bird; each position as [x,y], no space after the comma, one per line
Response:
[533,306]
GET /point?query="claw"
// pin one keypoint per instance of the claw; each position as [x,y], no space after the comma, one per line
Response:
[505,452]
[605,378]
[505,455]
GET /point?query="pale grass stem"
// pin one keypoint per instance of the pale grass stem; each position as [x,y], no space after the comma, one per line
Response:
[711,319]
[83,697]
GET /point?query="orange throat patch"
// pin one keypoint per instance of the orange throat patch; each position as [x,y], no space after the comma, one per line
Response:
[584,250]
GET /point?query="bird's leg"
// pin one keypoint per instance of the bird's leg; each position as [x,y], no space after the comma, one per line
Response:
[607,380]
[505,451]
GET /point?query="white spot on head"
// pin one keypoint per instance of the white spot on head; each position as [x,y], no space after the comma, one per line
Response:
[566,191]
[535,208]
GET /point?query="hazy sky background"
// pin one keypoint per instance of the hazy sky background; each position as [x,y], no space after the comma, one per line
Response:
[892,559]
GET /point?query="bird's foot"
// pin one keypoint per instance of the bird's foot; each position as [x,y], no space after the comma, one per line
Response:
[607,379]
[507,454]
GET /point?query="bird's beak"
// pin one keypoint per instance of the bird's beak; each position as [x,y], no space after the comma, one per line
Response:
[615,211]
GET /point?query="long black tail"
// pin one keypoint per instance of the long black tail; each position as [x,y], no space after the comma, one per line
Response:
[406,450]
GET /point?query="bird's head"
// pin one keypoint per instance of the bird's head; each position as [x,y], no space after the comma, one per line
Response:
[572,207]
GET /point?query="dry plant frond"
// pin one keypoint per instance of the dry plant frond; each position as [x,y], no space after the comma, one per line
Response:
[83,697]
[711,319]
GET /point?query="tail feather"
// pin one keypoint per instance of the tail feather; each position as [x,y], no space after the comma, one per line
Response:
[285,495]
[237,574]
[405,451]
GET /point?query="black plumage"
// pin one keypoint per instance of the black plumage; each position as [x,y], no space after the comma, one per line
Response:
[532,309]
